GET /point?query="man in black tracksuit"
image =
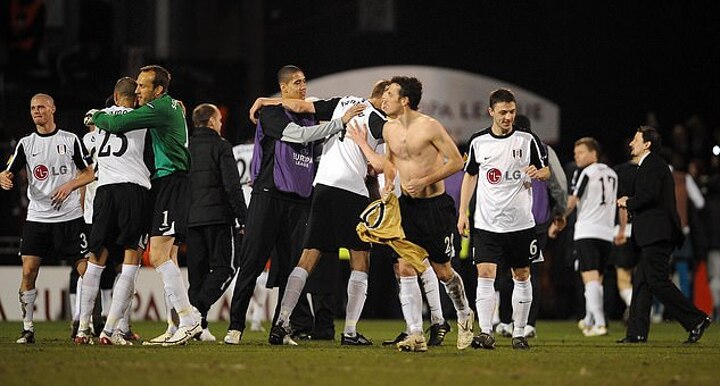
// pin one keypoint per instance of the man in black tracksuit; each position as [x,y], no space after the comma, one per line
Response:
[217,210]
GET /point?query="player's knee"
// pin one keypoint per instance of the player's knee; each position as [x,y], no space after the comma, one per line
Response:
[29,274]
[359,261]
[521,274]
[443,272]
[487,271]
[308,262]
[405,270]
[158,260]
[81,266]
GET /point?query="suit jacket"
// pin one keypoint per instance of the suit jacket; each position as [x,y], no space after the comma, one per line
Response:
[652,204]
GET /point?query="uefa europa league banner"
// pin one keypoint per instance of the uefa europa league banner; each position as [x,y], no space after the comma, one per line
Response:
[458,99]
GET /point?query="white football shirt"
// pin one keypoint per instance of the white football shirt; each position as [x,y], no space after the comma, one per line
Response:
[50,160]
[342,164]
[596,188]
[504,196]
[122,157]
[243,156]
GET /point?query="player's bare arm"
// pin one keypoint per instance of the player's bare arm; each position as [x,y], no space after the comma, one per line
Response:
[466,191]
[620,238]
[295,105]
[83,178]
[260,103]
[542,174]
[559,223]
[450,160]
[572,203]
[389,171]
[299,106]
[358,134]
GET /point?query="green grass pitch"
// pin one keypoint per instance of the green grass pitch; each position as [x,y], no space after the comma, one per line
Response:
[560,355]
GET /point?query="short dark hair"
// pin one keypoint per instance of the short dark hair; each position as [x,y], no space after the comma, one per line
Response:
[650,134]
[162,76]
[501,95]
[411,88]
[126,86]
[379,88]
[591,143]
[286,72]
[202,113]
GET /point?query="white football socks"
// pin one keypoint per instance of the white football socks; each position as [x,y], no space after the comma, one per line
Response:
[27,307]
[177,293]
[411,304]
[456,291]
[626,295]
[594,301]
[295,285]
[432,293]
[521,302]
[90,288]
[357,293]
[485,303]
[124,289]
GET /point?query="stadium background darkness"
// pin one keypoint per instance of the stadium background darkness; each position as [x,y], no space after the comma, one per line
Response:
[605,66]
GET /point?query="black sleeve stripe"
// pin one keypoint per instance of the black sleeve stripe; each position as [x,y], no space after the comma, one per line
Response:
[376,123]
[81,157]
[580,188]
[574,180]
[538,153]
[17,160]
[471,165]
[325,108]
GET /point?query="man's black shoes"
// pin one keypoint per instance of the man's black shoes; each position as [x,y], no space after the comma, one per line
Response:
[437,333]
[632,339]
[280,335]
[697,332]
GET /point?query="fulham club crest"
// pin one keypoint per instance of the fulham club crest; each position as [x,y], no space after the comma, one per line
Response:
[517,153]
[62,149]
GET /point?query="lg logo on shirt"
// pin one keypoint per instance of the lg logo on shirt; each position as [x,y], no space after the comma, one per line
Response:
[495,176]
[41,172]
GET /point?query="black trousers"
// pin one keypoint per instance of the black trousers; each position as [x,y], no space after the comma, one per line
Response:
[652,277]
[211,261]
[274,227]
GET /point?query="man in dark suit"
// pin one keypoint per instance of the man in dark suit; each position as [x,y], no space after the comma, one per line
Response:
[656,231]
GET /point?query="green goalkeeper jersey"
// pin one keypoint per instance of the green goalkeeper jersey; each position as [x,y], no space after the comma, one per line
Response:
[165,117]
